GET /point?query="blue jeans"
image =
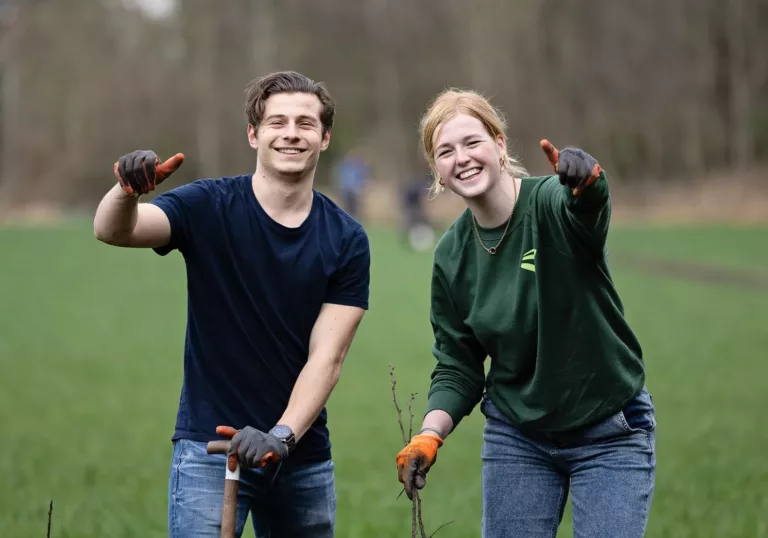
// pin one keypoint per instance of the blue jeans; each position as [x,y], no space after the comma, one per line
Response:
[609,469]
[285,500]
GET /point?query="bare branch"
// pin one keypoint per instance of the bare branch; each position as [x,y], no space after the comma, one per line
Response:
[397,407]
[410,413]
[418,513]
[50,513]
[417,521]
[440,527]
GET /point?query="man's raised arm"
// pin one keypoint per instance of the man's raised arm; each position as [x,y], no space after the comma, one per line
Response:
[121,220]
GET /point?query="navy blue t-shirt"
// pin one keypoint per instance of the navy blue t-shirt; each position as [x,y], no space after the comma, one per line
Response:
[255,288]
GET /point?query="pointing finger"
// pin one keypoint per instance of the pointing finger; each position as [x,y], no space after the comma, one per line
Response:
[551,152]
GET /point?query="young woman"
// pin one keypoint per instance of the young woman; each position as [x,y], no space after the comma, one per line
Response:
[521,276]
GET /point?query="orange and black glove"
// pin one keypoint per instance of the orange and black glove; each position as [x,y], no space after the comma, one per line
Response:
[141,171]
[414,461]
[252,447]
[575,167]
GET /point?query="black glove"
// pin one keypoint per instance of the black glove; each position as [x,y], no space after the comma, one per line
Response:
[255,448]
[140,171]
[575,167]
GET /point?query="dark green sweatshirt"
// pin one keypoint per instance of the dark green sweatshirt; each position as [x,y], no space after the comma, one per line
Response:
[543,308]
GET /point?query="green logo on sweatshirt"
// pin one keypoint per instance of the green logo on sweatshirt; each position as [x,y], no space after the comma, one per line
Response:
[528,257]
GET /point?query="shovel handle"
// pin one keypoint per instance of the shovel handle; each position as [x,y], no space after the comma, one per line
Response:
[218,447]
[231,483]
[221,447]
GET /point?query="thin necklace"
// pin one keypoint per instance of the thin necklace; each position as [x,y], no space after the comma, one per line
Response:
[492,250]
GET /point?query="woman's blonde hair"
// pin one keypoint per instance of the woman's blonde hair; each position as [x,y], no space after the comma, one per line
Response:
[455,101]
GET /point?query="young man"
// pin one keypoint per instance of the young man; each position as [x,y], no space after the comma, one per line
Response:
[278,279]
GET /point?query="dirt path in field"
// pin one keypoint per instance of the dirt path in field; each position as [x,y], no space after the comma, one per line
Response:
[690,271]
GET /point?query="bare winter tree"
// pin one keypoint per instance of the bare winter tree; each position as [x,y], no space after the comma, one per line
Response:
[657,89]
[12,25]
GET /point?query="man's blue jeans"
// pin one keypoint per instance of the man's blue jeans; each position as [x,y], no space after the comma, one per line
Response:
[609,469]
[285,500]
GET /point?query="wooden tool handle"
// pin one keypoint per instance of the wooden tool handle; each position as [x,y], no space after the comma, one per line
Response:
[229,509]
[231,483]
[218,447]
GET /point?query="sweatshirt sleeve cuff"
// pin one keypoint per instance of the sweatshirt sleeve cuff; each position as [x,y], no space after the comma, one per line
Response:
[593,197]
[456,405]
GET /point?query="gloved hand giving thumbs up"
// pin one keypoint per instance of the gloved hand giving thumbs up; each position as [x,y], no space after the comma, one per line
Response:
[141,171]
[576,168]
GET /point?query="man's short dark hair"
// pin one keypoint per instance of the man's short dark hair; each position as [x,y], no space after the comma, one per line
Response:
[259,90]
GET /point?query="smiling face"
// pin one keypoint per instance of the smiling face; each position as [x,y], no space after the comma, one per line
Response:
[290,136]
[466,157]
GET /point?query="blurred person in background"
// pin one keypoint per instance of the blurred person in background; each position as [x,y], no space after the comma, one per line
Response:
[521,276]
[352,174]
[418,231]
[278,282]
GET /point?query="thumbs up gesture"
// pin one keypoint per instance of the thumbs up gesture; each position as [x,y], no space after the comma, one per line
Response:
[141,171]
[576,168]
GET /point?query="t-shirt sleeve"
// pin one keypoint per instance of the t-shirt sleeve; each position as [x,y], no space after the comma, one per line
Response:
[350,284]
[185,208]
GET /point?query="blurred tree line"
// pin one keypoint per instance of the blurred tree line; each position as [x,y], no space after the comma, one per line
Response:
[653,88]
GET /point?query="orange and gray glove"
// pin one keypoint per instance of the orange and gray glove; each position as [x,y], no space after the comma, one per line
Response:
[252,448]
[141,171]
[414,461]
[575,167]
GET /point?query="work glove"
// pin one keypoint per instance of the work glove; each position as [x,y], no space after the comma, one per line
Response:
[140,171]
[575,167]
[252,447]
[415,460]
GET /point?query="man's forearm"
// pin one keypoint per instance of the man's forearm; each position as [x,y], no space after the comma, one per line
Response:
[116,216]
[310,393]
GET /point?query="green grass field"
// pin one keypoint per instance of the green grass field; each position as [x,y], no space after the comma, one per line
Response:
[90,368]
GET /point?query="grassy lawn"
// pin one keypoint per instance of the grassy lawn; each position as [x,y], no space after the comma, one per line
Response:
[90,353]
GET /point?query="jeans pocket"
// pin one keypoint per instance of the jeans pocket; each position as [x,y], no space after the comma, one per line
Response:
[483,407]
[639,415]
